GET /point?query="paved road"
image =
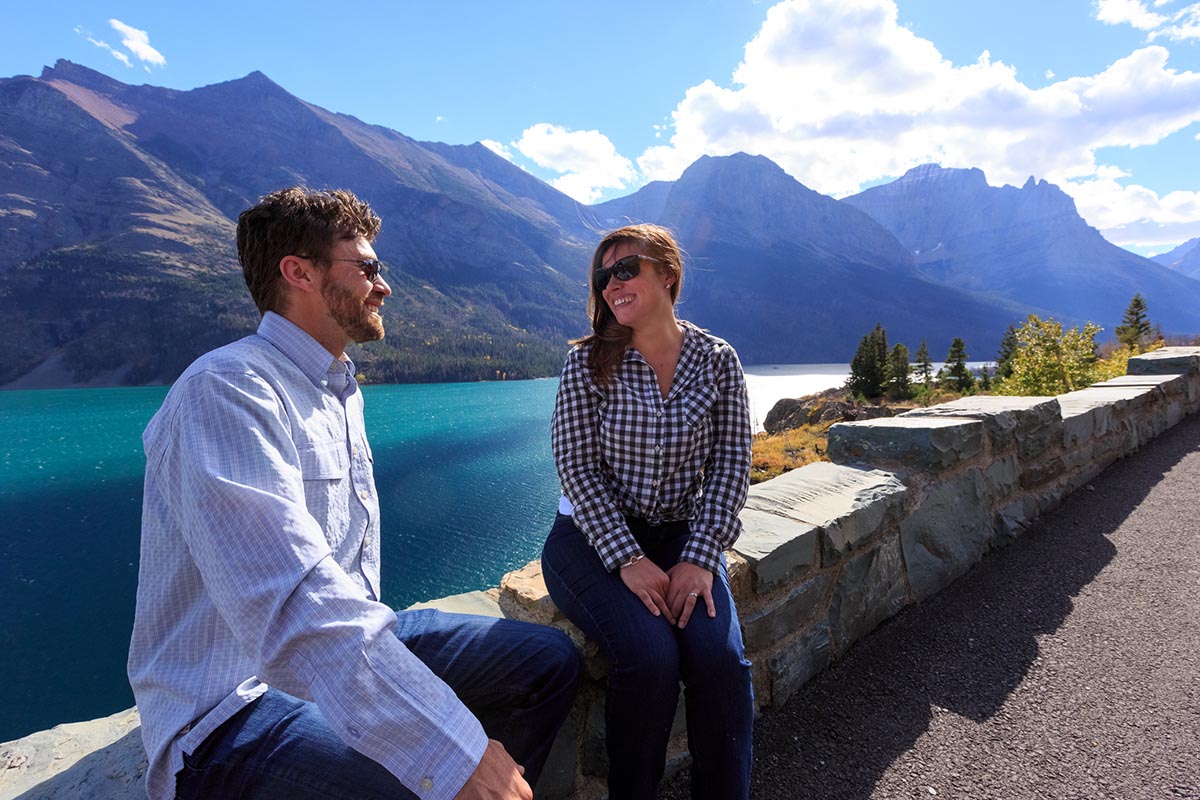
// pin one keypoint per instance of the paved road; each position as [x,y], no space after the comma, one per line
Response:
[1066,665]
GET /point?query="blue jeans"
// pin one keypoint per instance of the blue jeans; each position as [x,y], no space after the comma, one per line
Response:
[518,679]
[648,659]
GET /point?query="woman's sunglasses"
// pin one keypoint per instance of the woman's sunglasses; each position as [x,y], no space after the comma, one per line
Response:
[624,269]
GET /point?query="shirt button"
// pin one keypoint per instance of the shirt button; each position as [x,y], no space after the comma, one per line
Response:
[658,448]
[660,413]
[426,784]
[364,494]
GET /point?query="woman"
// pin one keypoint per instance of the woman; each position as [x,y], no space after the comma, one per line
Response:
[651,436]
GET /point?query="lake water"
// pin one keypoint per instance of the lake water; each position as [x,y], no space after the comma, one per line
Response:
[466,482]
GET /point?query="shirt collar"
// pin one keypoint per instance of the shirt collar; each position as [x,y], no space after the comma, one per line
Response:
[304,351]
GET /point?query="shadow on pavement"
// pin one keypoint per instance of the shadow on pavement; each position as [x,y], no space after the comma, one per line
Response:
[963,650]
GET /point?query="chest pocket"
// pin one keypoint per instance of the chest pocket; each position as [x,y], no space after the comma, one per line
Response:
[325,467]
[696,419]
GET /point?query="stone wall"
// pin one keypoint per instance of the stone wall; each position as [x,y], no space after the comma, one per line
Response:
[909,504]
[831,550]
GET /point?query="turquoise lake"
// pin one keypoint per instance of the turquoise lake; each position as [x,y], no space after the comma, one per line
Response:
[466,482]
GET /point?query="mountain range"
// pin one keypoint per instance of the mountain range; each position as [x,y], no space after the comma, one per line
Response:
[1184,259]
[118,204]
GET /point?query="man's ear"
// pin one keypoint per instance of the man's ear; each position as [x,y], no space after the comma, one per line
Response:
[298,273]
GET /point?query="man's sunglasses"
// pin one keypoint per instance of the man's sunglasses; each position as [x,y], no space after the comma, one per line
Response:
[372,267]
[624,269]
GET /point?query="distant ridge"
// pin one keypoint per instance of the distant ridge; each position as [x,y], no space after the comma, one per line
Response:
[1028,245]
[1184,259]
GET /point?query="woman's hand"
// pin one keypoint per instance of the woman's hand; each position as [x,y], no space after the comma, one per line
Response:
[650,584]
[689,583]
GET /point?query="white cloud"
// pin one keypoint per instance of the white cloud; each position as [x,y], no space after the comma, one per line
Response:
[1050,75]
[588,161]
[1180,26]
[103,45]
[497,148]
[1128,12]
[839,94]
[138,42]
[1132,215]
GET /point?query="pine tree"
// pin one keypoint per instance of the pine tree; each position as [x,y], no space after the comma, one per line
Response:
[899,385]
[985,379]
[958,374]
[924,366]
[1135,326]
[868,368]
[1008,349]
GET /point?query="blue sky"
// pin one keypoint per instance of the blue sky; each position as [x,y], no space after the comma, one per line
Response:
[1100,97]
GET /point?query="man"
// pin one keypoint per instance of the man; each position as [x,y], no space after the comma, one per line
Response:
[263,663]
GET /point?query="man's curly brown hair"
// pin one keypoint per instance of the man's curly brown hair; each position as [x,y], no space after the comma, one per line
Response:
[300,222]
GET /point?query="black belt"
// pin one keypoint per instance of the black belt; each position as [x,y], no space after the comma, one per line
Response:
[650,537]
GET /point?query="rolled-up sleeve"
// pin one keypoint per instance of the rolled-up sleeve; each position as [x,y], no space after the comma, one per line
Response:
[297,615]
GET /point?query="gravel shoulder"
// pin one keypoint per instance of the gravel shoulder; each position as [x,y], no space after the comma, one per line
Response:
[1063,666]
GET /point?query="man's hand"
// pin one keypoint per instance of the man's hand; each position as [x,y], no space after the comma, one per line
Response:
[650,584]
[689,584]
[497,777]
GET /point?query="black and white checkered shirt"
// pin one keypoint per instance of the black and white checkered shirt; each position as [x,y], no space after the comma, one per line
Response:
[623,450]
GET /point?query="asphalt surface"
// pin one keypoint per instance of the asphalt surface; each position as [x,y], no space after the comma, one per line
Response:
[1066,665]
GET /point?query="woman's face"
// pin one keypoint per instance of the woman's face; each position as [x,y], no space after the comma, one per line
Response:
[645,299]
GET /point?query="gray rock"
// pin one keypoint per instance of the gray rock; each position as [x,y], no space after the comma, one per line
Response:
[848,505]
[1013,518]
[765,627]
[928,443]
[777,548]
[795,664]
[483,604]
[102,759]
[1004,418]
[947,534]
[1002,477]
[1168,360]
[869,589]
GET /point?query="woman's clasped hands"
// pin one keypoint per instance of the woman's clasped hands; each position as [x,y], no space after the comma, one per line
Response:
[673,594]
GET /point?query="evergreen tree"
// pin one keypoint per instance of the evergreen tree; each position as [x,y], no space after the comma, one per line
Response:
[899,385]
[958,374]
[985,379]
[924,367]
[1135,326]
[1008,349]
[868,368]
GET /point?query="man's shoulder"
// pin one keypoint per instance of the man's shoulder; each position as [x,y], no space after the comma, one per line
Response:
[248,354]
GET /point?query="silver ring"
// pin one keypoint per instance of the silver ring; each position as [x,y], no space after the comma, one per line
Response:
[693,594]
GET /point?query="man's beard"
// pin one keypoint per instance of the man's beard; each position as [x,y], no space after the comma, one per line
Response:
[348,311]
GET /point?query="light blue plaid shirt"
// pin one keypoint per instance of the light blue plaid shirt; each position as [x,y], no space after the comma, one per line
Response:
[260,564]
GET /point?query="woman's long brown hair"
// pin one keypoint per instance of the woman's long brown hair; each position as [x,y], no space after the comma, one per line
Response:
[609,339]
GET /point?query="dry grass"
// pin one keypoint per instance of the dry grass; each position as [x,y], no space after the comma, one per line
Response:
[773,455]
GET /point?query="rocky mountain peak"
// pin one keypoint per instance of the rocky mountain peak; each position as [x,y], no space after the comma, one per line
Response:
[938,176]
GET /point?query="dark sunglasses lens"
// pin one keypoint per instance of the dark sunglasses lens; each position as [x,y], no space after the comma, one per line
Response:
[600,278]
[623,270]
[627,268]
[372,268]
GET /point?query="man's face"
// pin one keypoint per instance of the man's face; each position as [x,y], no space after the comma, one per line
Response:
[353,301]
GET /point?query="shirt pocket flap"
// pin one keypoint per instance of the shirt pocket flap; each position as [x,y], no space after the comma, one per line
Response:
[323,460]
